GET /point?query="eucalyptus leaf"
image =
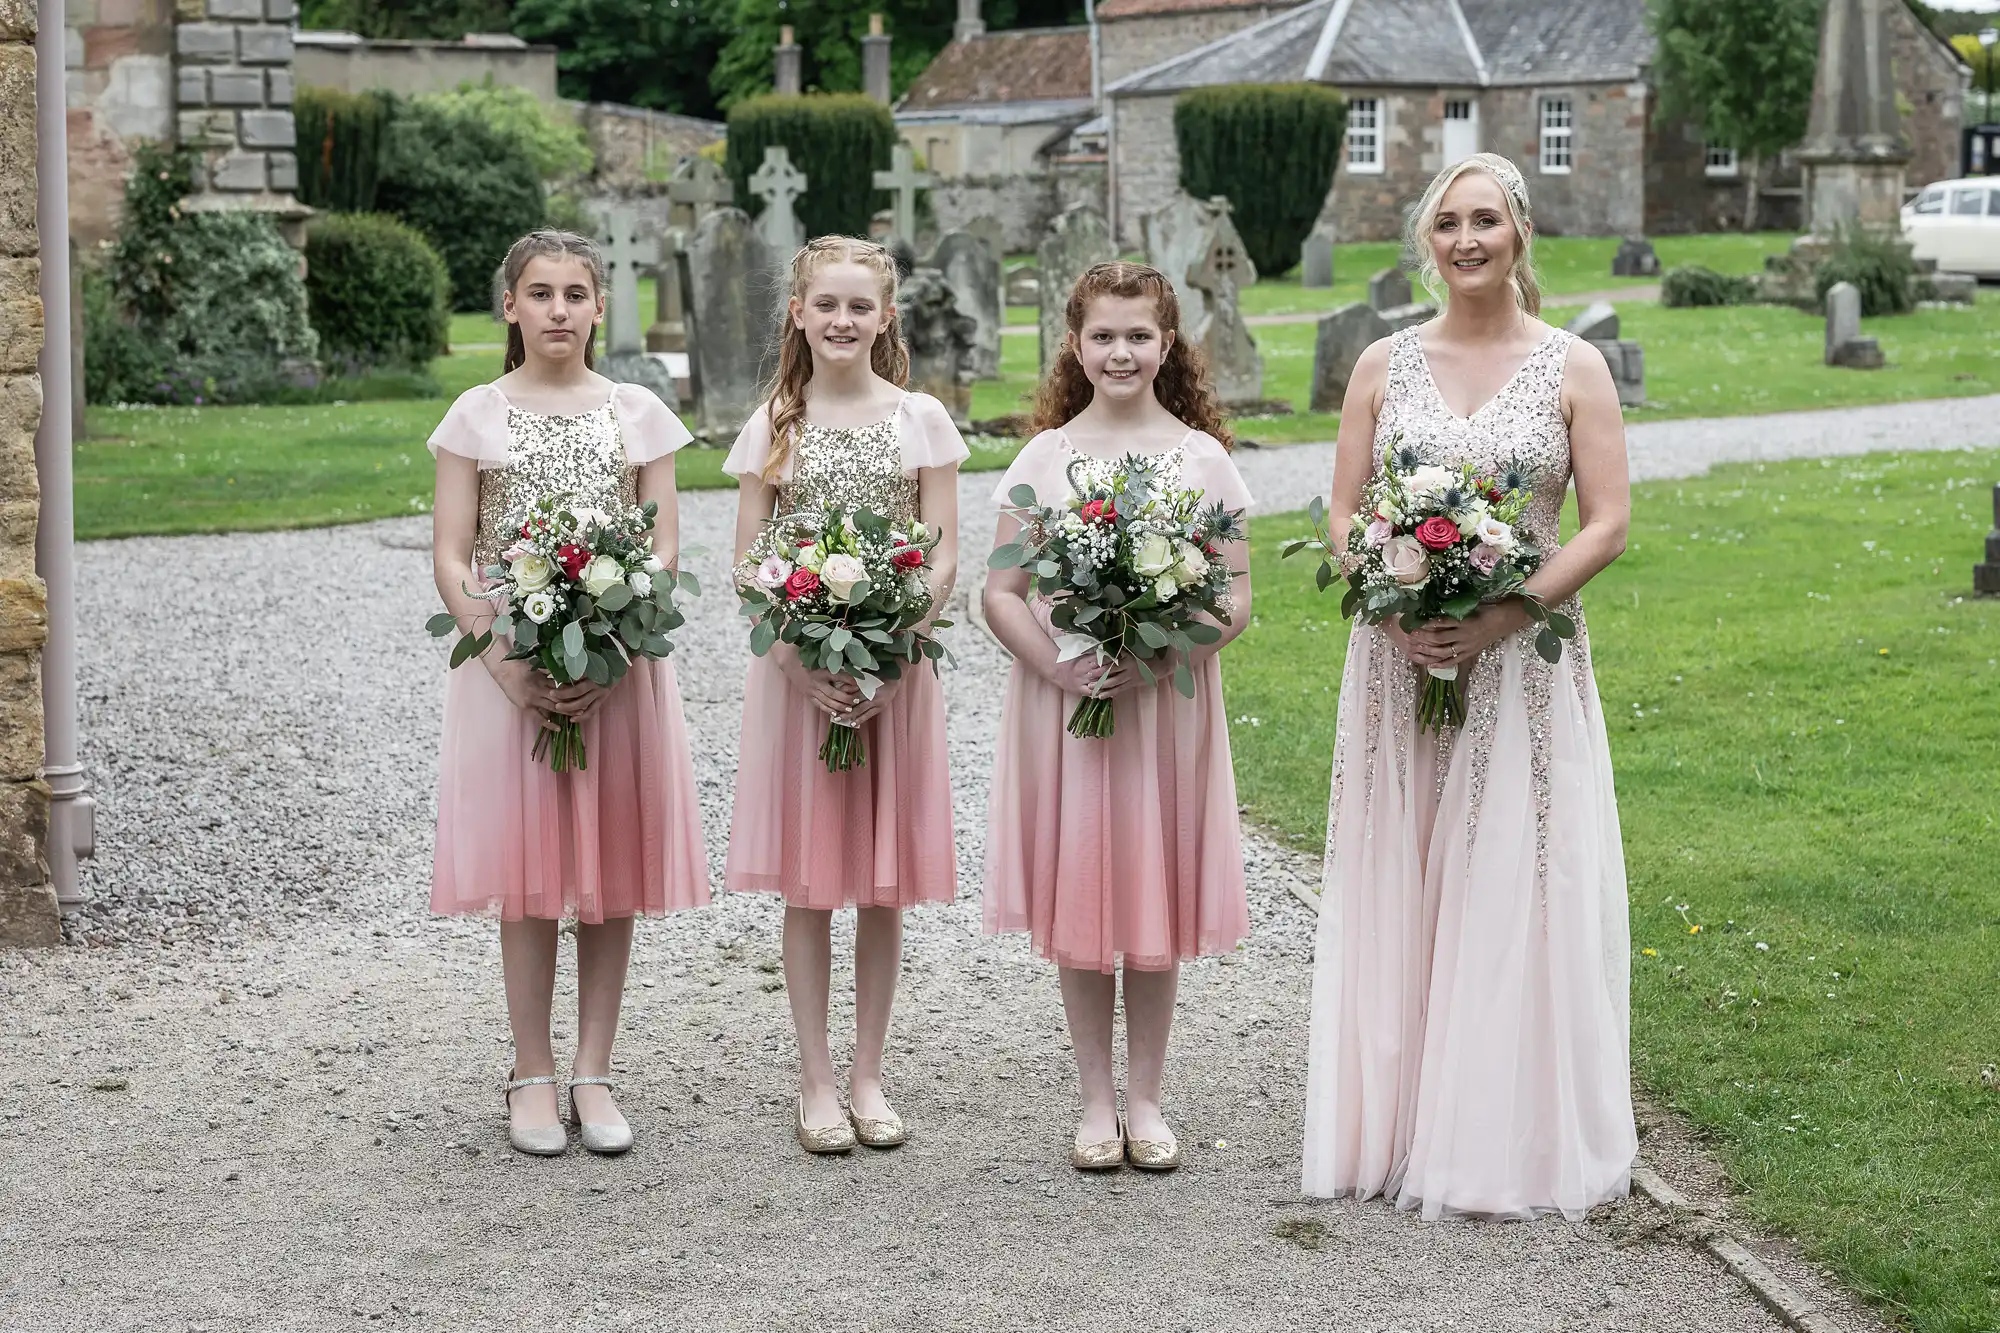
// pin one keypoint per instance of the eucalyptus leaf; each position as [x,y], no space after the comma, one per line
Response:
[1201,632]
[1562,625]
[1145,672]
[572,639]
[838,639]
[1022,496]
[762,635]
[614,598]
[1323,576]
[469,647]
[1184,680]
[1151,634]
[594,668]
[860,656]
[1549,645]
[441,624]
[1009,556]
[687,583]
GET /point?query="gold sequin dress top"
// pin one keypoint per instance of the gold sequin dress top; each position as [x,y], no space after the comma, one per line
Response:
[622,836]
[1469,1049]
[879,835]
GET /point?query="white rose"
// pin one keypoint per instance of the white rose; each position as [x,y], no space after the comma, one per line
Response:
[1431,479]
[586,518]
[840,573]
[1193,566]
[533,572]
[1493,532]
[1154,556]
[773,572]
[1470,517]
[1406,560]
[640,582]
[1165,588]
[600,574]
[811,557]
[538,607]
[652,564]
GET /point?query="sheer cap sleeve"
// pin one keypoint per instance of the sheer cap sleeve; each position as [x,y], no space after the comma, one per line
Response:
[1033,466]
[475,427]
[1212,469]
[752,447]
[928,436]
[647,426]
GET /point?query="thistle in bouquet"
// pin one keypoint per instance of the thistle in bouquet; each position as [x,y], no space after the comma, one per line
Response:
[1431,542]
[580,593]
[1130,567]
[849,590]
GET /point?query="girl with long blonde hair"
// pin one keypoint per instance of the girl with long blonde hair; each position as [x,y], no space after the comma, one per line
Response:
[1121,850]
[839,428]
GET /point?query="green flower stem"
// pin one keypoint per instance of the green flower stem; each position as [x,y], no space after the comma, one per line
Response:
[843,749]
[1092,718]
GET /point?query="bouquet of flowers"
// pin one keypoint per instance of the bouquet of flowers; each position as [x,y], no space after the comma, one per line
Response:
[1434,543]
[580,593]
[1128,567]
[847,589]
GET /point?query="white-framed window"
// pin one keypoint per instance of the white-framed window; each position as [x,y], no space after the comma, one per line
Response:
[1719,162]
[1364,136]
[1558,121]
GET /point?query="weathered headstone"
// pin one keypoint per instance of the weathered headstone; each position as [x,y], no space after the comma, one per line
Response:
[1844,344]
[668,332]
[1597,323]
[1024,285]
[904,180]
[701,187]
[942,341]
[627,250]
[1400,317]
[1316,259]
[735,286]
[777,182]
[991,233]
[1635,259]
[972,271]
[1954,288]
[1598,326]
[1986,575]
[1343,336]
[1233,363]
[1178,237]
[1077,239]
[1388,289]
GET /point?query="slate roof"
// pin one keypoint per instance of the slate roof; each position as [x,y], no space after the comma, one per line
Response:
[1025,65]
[1127,9]
[1427,43]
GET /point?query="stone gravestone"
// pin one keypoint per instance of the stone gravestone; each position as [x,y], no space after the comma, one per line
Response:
[1343,337]
[777,182]
[1844,344]
[1635,259]
[1178,236]
[942,339]
[1024,285]
[990,232]
[735,286]
[628,250]
[1316,259]
[904,180]
[972,272]
[697,186]
[1077,239]
[1986,575]
[1388,289]
[1597,323]
[1598,326]
[1233,363]
[1400,317]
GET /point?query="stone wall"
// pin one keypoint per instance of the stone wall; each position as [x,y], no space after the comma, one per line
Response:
[119,89]
[354,64]
[1604,193]
[1146,167]
[1369,206]
[636,149]
[233,85]
[27,902]
[1930,88]
[1681,197]
[1023,204]
[1126,46]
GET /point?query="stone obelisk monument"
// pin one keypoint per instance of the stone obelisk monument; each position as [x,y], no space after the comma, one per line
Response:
[1855,148]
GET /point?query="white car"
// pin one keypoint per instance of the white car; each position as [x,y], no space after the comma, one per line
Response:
[1957,223]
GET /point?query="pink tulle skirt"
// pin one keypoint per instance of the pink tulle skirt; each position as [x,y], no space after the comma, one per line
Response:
[619,838]
[1122,847]
[874,836]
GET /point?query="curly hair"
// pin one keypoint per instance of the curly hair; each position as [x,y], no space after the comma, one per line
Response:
[889,357]
[549,244]
[1182,386]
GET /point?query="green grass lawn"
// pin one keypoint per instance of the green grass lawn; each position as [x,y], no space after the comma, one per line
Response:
[1804,710]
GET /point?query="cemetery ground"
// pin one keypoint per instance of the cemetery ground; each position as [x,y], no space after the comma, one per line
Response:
[1804,712]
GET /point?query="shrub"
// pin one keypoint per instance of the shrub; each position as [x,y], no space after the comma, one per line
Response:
[340,146]
[468,187]
[1270,149]
[837,139]
[1693,285]
[1879,263]
[557,146]
[378,293]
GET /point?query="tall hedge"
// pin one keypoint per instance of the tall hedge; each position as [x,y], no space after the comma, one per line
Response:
[1271,150]
[839,140]
[340,146]
[378,293]
[469,187]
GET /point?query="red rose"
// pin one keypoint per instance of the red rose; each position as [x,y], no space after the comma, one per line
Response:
[1110,514]
[907,557]
[572,558]
[1093,511]
[802,583]
[1438,533]
[804,542]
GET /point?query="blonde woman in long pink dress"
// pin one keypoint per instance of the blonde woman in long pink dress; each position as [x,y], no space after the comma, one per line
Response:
[515,840]
[1470,994]
[1123,849]
[839,428]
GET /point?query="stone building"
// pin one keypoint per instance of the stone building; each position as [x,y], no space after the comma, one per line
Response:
[1560,86]
[353,63]
[1138,34]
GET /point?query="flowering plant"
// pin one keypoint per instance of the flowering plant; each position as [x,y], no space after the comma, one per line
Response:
[1128,567]
[581,594]
[1434,543]
[847,589]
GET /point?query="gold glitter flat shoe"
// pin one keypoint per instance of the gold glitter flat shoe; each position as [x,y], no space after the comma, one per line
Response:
[1153,1155]
[1108,1155]
[885,1133]
[830,1139]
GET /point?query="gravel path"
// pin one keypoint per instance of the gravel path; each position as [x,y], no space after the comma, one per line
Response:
[261,1090]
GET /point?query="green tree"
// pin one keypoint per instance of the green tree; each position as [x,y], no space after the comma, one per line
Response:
[650,53]
[445,20]
[1270,149]
[556,145]
[1742,73]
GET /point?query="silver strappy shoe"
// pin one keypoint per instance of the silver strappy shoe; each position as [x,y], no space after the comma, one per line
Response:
[610,1140]
[542,1141]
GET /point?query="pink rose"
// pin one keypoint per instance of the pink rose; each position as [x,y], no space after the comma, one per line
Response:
[1379,532]
[1484,558]
[1405,559]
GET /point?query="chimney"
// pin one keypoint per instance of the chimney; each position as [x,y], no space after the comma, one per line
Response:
[969,23]
[787,79]
[875,61]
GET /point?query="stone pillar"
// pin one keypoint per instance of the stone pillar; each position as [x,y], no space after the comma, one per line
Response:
[786,76]
[1986,576]
[1855,149]
[27,901]
[875,61]
[970,24]
[233,84]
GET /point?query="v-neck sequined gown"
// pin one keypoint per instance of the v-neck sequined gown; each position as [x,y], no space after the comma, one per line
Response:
[1470,995]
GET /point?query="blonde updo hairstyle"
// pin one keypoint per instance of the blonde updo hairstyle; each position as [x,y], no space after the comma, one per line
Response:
[548,244]
[1514,189]
[889,357]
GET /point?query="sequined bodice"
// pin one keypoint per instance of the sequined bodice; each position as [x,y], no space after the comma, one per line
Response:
[581,457]
[1091,471]
[850,466]
[1520,427]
